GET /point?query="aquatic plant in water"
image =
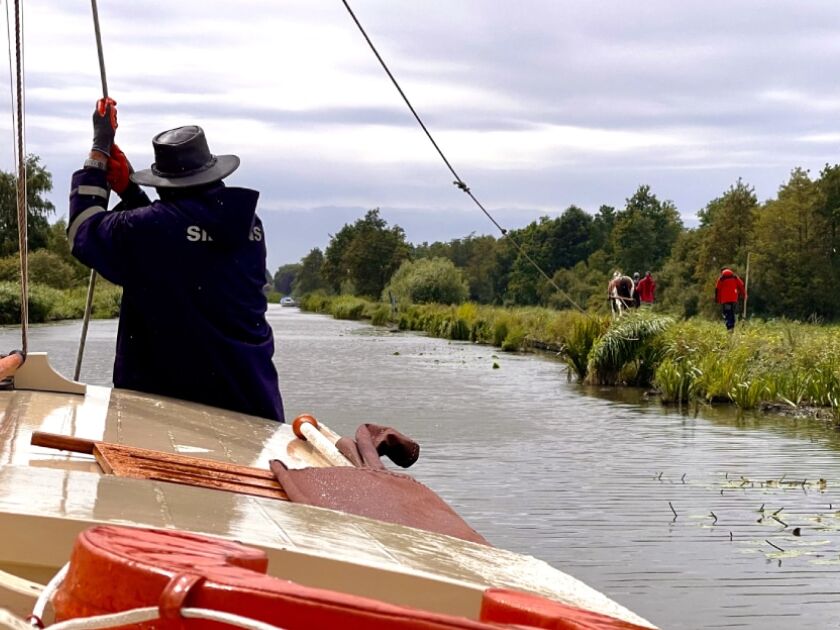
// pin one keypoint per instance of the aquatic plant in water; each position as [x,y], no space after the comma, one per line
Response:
[578,344]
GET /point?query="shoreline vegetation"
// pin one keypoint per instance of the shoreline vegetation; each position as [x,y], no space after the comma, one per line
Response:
[778,366]
[49,304]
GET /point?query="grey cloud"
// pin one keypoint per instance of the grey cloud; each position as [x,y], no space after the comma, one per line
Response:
[655,67]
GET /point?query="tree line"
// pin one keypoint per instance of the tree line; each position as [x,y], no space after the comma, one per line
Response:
[50,260]
[790,243]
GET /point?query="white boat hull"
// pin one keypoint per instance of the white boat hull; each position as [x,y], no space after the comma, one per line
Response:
[47,497]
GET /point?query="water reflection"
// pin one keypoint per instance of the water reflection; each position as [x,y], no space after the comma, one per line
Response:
[584,478]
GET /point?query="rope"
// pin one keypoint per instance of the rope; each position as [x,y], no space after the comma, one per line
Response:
[152,613]
[95,12]
[92,281]
[46,595]
[458,181]
[136,615]
[11,81]
[21,182]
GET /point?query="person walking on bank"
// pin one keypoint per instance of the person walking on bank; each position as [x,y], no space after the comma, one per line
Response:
[728,290]
[192,266]
[646,290]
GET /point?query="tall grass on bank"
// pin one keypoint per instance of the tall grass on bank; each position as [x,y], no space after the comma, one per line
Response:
[509,329]
[692,361]
[761,363]
[629,350]
[48,304]
[579,344]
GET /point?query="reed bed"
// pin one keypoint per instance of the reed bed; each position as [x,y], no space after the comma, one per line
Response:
[762,363]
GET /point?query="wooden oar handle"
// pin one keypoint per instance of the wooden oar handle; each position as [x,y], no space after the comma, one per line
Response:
[62,442]
[306,428]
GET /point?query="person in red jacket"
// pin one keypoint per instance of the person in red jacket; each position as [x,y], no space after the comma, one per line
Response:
[728,290]
[646,289]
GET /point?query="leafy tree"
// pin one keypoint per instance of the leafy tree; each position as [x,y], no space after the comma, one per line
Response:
[726,227]
[309,279]
[644,232]
[363,256]
[58,244]
[586,285]
[38,183]
[552,244]
[574,237]
[790,261]
[602,227]
[828,208]
[284,277]
[535,244]
[677,288]
[428,280]
[481,267]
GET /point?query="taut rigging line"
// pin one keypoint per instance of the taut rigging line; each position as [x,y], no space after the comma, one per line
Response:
[92,282]
[17,89]
[458,181]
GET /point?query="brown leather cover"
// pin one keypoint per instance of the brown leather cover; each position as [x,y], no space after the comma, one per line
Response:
[373,440]
[375,493]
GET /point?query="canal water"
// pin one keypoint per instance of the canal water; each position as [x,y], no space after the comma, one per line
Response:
[693,521]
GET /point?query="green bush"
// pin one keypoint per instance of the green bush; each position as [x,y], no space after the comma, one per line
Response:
[45,267]
[10,269]
[50,304]
[427,281]
[316,302]
[579,341]
[380,315]
[514,340]
[500,332]
[48,268]
[348,307]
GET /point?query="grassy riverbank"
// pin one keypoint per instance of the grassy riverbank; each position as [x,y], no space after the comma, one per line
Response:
[48,304]
[776,363]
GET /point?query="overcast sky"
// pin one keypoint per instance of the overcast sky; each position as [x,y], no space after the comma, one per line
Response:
[538,104]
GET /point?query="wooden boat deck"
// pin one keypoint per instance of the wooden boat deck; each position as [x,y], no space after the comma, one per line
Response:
[47,497]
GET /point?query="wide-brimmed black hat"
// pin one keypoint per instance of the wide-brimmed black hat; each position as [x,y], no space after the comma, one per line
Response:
[182,158]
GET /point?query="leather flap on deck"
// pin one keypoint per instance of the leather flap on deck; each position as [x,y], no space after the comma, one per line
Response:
[373,440]
[375,493]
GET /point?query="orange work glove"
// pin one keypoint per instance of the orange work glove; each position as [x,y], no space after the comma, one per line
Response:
[118,171]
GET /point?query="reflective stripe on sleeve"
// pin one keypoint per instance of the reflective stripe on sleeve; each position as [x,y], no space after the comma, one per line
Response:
[81,218]
[96,191]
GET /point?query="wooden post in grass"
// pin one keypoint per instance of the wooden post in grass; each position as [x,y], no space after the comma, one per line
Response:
[746,287]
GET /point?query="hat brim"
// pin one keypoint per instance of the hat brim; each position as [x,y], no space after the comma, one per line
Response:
[224,166]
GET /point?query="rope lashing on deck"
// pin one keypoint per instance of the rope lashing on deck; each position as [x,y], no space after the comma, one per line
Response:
[458,181]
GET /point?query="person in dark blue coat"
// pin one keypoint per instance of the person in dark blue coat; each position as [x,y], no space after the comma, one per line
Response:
[192,266]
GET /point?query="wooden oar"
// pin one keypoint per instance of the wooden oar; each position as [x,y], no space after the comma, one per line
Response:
[305,427]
